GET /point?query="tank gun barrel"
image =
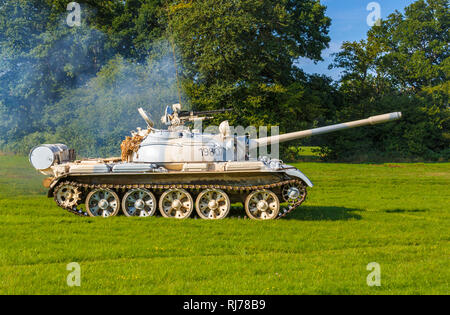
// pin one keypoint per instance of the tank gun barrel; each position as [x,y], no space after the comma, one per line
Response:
[329,129]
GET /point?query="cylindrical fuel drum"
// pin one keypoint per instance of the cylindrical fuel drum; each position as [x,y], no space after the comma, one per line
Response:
[45,156]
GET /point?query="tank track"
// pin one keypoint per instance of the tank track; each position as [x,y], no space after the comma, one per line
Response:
[242,189]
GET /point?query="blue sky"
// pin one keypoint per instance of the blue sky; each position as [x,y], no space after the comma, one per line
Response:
[349,23]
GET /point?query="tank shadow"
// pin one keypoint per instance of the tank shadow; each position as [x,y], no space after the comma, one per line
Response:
[405,211]
[314,213]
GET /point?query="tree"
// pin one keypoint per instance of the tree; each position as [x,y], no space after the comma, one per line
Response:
[104,110]
[402,66]
[42,56]
[135,26]
[414,46]
[241,53]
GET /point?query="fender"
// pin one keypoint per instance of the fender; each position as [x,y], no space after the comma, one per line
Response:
[296,173]
[53,185]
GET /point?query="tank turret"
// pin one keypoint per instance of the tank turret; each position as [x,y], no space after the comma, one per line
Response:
[178,170]
[182,145]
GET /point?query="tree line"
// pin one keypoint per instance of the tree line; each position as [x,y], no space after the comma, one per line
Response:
[82,85]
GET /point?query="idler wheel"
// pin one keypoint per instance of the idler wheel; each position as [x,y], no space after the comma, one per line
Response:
[213,204]
[294,193]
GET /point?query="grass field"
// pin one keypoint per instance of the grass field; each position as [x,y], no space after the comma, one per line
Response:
[396,215]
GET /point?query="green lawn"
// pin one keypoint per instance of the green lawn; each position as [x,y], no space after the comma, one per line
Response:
[396,215]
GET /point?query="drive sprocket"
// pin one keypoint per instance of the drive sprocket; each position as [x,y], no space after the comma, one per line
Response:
[67,196]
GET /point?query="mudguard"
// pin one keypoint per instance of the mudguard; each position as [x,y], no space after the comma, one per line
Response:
[52,187]
[296,173]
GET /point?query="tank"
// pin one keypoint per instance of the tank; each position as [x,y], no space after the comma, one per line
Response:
[180,171]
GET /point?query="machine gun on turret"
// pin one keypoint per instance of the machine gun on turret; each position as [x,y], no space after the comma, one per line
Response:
[174,117]
[205,114]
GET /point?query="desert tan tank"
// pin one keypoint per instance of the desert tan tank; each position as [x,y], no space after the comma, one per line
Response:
[179,171]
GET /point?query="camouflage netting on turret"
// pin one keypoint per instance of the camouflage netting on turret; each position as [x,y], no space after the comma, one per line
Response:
[129,146]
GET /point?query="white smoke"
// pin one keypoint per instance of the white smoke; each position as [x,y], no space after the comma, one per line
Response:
[101,109]
[106,108]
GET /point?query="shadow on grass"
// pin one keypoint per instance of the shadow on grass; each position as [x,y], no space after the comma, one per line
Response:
[309,213]
[313,213]
[405,211]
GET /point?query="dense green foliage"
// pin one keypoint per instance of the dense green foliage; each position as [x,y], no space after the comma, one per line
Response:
[62,84]
[380,215]
[241,54]
[403,65]
[83,85]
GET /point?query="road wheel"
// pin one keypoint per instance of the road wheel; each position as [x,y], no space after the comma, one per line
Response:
[102,203]
[262,205]
[176,203]
[139,203]
[213,204]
